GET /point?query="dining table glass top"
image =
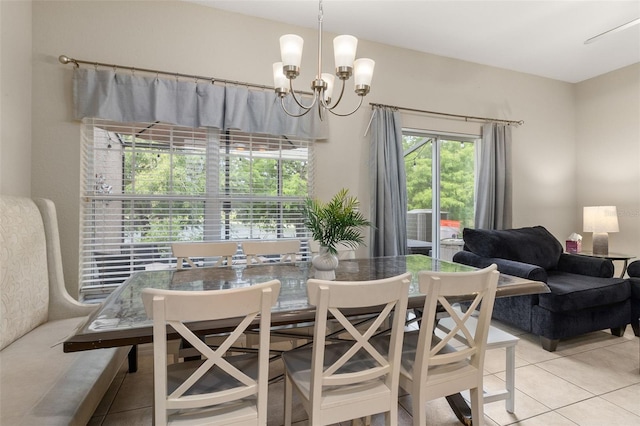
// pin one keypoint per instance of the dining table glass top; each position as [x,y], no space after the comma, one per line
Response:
[123,309]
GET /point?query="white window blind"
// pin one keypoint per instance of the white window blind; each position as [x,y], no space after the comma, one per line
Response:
[145,185]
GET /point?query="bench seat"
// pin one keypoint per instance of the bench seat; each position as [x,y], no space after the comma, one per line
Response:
[39,383]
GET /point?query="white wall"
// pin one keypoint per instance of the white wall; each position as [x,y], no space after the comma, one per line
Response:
[15,104]
[189,38]
[608,155]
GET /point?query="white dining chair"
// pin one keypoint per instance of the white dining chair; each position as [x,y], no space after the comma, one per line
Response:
[223,250]
[217,389]
[349,378]
[431,366]
[287,250]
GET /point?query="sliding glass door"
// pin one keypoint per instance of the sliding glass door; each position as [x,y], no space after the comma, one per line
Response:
[441,175]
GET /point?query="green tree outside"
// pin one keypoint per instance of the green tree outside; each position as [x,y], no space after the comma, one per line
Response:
[457,177]
[152,171]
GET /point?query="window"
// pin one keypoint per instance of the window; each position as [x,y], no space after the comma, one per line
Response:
[146,185]
[440,172]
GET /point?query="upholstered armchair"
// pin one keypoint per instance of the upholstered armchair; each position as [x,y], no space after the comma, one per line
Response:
[584,295]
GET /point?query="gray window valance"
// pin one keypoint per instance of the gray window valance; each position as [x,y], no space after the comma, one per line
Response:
[125,97]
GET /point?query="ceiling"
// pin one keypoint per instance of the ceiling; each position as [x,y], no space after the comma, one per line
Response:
[544,38]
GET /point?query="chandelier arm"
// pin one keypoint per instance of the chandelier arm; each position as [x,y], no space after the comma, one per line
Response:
[339,97]
[349,113]
[295,98]
[284,108]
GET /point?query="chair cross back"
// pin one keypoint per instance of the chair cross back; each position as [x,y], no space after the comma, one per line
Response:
[348,377]
[459,319]
[431,367]
[185,251]
[186,386]
[457,284]
[286,249]
[330,376]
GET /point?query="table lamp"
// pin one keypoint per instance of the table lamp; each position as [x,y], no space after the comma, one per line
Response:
[600,220]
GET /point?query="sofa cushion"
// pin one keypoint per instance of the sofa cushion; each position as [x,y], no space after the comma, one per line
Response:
[635,290]
[42,385]
[534,245]
[573,292]
[24,286]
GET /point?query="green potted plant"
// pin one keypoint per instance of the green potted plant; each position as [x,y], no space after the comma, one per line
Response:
[336,222]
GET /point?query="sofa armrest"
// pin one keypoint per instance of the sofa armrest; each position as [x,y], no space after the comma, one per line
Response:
[509,267]
[634,269]
[585,265]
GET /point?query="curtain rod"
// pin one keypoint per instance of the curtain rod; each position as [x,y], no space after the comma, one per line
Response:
[67,60]
[466,117]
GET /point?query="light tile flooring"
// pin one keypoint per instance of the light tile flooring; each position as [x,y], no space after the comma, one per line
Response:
[590,380]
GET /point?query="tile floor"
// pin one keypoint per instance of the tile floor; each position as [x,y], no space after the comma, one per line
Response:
[590,380]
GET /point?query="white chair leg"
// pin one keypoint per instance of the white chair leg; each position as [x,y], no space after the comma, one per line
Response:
[288,401]
[477,407]
[418,408]
[366,421]
[252,340]
[511,379]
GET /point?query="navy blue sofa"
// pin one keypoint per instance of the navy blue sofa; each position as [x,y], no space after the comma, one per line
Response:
[584,295]
[634,280]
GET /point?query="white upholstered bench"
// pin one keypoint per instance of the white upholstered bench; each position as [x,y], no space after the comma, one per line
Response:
[39,383]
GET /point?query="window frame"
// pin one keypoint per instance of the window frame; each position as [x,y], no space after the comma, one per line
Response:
[97,192]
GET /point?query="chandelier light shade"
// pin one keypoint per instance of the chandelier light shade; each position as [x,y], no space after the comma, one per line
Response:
[344,48]
[330,80]
[291,53]
[600,220]
[279,79]
[363,74]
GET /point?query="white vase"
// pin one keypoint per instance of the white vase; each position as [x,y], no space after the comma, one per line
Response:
[325,264]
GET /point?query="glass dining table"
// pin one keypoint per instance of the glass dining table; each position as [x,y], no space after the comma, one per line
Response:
[121,319]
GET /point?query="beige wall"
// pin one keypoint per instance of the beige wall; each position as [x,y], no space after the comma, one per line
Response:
[190,38]
[15,104]
[608,155]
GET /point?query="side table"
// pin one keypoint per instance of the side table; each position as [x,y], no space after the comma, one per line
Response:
[611,256]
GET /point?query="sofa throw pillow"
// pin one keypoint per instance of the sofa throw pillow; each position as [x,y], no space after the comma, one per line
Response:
[534,245]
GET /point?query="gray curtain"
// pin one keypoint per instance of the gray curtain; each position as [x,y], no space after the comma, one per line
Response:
[493,195]
[125,97]
[389,192]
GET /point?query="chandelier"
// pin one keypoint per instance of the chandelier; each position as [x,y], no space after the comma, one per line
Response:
[344,48]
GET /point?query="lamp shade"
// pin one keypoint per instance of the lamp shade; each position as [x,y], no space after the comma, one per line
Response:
[329,79]
[363,71]
[344,50]
[291,49]
[279,79]
[600,219]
